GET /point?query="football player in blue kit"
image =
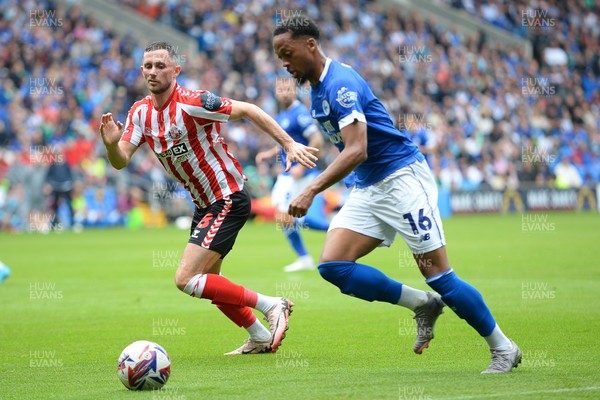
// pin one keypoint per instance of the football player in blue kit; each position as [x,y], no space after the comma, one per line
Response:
[395,193]
[295,119]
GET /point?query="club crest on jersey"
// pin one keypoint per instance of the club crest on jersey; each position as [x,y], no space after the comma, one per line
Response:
[326,107]
[346,98]
[175,133]
[176,151]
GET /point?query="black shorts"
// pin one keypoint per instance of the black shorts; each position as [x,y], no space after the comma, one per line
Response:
[216,227]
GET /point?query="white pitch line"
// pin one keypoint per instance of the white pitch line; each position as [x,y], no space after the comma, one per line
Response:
[511,394]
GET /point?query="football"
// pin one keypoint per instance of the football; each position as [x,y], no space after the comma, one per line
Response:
[144,365]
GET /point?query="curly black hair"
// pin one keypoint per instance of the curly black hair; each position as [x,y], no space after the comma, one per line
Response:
[298,26]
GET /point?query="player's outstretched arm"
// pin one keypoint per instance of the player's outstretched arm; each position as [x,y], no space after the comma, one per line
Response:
[118,151]
[295,151]
[354,153]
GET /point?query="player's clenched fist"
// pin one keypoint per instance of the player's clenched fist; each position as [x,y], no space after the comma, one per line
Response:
[300,205]
[109,131]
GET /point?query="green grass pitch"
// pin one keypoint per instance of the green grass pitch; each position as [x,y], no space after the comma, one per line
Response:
[74,301]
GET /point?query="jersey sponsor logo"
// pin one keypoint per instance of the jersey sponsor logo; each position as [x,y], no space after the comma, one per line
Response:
[176,151]
[210,101]
[328,126]
[335,138]
[346,98]
[326,108]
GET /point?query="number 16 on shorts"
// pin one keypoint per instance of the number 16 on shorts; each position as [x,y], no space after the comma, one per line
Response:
[423,222]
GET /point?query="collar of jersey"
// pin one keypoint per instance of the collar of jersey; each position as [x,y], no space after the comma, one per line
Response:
[168,100]
[325,69]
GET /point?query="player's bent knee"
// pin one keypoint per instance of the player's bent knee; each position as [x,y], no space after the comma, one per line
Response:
[336,272]
[181,280]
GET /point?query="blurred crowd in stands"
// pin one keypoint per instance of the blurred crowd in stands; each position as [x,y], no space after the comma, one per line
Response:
[485,117]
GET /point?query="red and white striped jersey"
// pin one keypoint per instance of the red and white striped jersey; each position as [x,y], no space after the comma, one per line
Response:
[185,136]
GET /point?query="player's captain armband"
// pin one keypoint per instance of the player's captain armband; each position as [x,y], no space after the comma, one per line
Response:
[211,101]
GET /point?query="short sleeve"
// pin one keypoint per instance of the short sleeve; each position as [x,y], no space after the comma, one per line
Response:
[345,102]
[132,131]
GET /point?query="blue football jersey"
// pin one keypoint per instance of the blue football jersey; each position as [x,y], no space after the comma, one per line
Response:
[342,96]
[298,123]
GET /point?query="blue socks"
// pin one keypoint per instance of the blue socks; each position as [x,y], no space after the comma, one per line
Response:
[370,284]
[316,223]
[295,240]
[361,281]
[464,300]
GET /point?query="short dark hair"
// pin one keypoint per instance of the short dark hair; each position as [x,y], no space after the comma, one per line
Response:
[298,25]
[162,46]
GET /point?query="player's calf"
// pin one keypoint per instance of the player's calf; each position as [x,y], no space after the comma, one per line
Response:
[361,281]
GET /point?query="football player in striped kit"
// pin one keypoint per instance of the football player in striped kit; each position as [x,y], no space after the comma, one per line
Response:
[183,129]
